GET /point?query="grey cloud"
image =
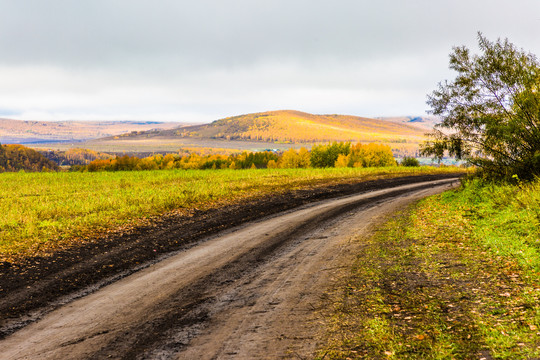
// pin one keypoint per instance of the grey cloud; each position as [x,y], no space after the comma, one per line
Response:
[242,54]
[233,33]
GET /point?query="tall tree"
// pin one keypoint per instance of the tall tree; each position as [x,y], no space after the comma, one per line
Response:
[491,111]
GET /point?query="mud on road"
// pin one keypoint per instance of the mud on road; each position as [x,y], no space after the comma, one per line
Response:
[214,298]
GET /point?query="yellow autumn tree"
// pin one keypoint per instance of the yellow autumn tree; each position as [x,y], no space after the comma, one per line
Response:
[371,155]
[291,159]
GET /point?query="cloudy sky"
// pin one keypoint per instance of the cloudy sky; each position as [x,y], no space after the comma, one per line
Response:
[197,61]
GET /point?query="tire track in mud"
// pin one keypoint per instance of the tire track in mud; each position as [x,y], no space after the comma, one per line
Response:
[218,282]
[159,311]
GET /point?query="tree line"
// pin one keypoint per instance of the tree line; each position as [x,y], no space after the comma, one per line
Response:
[336,154]
[18,157]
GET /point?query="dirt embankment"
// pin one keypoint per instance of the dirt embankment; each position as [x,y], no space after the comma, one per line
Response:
[38,285]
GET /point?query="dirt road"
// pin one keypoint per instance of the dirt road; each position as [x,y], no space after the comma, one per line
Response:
[247,292]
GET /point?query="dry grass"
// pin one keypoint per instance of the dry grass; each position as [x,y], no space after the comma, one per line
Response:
[44,211]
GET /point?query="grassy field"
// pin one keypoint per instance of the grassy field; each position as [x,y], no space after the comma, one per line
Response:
[455,277]
[45,211]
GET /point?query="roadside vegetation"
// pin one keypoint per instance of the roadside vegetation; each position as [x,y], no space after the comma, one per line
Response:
[455,277]
[491,111]
[45,211]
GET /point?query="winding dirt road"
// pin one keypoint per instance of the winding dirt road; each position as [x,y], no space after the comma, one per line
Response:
[249,292]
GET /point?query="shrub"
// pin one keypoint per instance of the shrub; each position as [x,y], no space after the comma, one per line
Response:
[410,161]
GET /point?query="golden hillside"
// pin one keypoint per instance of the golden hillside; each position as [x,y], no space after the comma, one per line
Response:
[19,131]
[296,126]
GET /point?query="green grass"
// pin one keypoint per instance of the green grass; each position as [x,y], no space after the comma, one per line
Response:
[454,277]
[505,218]
[42,212]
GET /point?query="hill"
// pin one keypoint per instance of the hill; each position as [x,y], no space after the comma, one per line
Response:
[425,122]
[27,132]
[18,157]
[294,127]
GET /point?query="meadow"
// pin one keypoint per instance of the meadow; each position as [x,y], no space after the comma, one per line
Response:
[42,212]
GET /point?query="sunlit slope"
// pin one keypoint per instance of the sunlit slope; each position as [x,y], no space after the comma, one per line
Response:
[296,126]
[24,132]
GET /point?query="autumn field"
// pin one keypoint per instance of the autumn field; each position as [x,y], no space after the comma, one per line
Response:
[46,211]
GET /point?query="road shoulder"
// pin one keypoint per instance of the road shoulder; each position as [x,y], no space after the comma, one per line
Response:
[422,288]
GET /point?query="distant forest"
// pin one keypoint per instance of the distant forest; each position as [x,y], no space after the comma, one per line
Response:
[336,154]
[18,157]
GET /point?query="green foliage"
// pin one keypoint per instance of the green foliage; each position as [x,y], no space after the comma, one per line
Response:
[505,217]
[326,155]
[491,111]
[247,160]
[503,222]
[410,161]
[17,157]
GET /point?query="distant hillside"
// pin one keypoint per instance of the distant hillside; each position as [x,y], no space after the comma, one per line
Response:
[18,157]
[27,132]
[426,122]
[294,127]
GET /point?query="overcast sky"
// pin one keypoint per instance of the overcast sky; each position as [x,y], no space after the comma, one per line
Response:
[198,61]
